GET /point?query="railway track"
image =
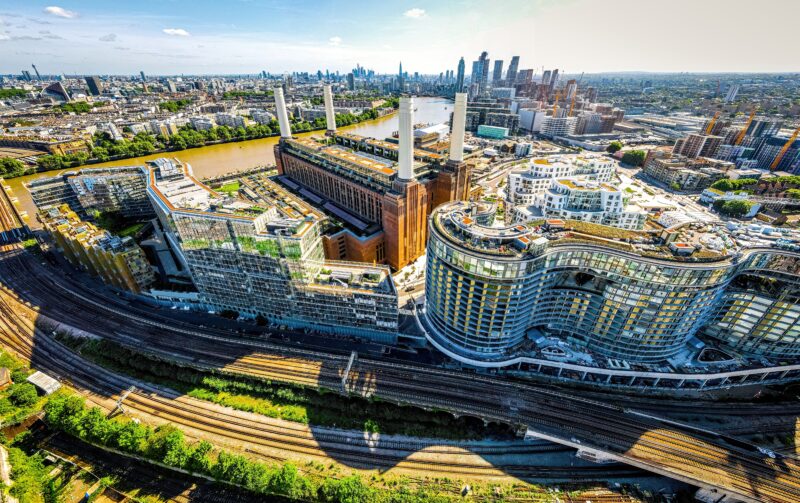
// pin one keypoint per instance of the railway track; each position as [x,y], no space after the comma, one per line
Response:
[667,448]
[294,440]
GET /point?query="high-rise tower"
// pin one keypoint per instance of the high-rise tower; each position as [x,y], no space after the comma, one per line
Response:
[460,76]
[511,75]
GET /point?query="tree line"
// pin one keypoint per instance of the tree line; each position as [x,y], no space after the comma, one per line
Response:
[167,445]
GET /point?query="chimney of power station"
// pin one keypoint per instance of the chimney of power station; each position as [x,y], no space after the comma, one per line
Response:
[405,157]
[283,117]
[457,133]
[330,115]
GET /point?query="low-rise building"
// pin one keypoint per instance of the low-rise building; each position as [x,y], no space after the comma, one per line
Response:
[523,187]
[686,174]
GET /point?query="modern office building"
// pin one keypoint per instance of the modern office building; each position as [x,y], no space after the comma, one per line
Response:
[489,112]
[492,293]
[119,262]
[493,132]
[382,192]
[119,190]
[268,260]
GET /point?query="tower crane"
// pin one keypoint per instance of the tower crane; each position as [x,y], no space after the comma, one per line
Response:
[713,121]
[784,149]
[743,132]
[555,104]
[572,103]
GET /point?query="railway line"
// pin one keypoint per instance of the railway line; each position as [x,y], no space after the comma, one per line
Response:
[681,452]
[295,440]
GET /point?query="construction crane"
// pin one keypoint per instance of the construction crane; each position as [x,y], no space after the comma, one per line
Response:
[743,132]
[779,157]
[713,121]
[555,104]
[572,103]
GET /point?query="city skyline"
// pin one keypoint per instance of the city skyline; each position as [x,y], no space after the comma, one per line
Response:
[89,37]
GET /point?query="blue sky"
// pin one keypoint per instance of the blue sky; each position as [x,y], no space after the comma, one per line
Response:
[246,36]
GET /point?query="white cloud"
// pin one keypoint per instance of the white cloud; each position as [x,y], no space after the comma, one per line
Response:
[111,37]
[60,12]
[176,32]
[4,36]
[414,13]
[335,40]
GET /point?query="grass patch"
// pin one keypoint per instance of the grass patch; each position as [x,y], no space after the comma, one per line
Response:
[286,401]
[230,188]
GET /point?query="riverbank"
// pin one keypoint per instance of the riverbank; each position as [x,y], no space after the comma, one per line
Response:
[171,149]
[215,160]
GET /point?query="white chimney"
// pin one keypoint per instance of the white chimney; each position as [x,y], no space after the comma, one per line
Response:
[330,115]
[405,157]
[283,117]
[459,122]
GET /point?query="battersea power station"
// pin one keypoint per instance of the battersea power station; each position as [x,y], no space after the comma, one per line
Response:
[382,192]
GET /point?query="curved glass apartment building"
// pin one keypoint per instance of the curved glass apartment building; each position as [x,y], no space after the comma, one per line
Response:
[615,293]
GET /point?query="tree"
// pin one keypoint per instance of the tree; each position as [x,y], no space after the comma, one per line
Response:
[675,186]
[199,461]
[634,157]
[11,167]
[734,208]
[23,394]
[727,185]
[614,146]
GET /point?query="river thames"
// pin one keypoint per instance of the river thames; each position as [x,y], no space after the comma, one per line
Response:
[224,158]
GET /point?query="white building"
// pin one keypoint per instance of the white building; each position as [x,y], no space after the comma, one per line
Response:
[202,123]
[524,187]
[111,129]
[531,120]
[230,120]
[262,116]
[558,126]
[164,128]
[589,201]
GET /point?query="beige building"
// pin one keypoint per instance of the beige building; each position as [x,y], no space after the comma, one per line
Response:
[117,261]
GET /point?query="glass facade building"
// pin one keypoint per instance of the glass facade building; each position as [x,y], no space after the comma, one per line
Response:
[257,260]
[487,288]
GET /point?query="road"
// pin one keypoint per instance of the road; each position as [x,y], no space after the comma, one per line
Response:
[698,457]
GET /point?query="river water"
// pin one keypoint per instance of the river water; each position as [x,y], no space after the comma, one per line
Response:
[226,157]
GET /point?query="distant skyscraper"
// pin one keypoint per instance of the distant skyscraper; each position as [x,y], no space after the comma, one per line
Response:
[511,76]
[497,74]
[351,81]
[144,81]
[400,77]
[26,75]
[484,59]
[460,76]
[39,77]
[95,86]
[546,78]
[554,80]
